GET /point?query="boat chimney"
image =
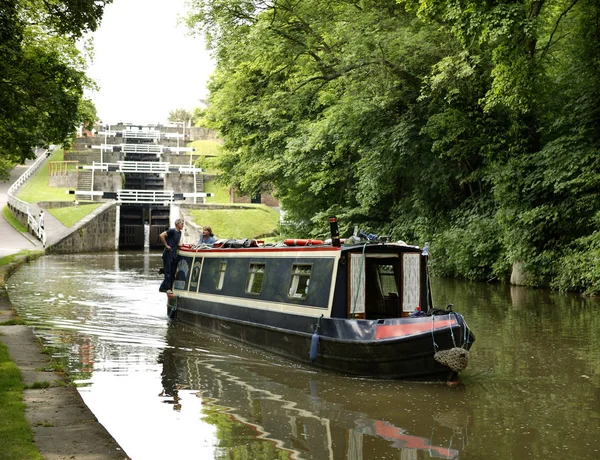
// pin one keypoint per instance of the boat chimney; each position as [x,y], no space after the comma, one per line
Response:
[335,233]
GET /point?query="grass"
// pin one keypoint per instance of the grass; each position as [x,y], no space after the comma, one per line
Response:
[37,385]
[16,437]
[209,151]
[205,147]
[13,322]
[12,220]
[70,215]
[238,223]
[221,192]
[37,189]
[24,253]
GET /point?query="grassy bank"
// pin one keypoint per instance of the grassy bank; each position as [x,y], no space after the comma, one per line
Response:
[37,189]
[16,437]
[70,215]
[12,220]
[238,223]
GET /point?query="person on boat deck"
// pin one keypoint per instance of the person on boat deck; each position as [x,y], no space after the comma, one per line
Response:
[207,236]
[170,238]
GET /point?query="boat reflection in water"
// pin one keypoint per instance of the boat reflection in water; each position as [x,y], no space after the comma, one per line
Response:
[271,409]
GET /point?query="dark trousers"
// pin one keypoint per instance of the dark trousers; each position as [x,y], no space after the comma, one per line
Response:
[169,258]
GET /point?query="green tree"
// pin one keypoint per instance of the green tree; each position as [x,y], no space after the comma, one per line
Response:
[468,124]
[42,73]
[180,115]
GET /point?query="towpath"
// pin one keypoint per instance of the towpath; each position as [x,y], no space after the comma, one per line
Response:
[62,425]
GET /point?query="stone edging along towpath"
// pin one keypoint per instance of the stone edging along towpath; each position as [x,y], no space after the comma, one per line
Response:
[63,426]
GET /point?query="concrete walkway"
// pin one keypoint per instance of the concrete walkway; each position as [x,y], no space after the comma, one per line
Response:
[63,426]
[12,240]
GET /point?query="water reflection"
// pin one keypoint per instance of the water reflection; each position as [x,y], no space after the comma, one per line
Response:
[531,391]
[310,415]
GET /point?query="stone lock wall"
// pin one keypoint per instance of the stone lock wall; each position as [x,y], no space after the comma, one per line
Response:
[95,232]
[68,180]
[108,181]
[183,183]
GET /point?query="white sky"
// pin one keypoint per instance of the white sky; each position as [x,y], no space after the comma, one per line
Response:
[144,63]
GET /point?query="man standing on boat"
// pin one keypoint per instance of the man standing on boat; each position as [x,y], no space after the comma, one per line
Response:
[170,239]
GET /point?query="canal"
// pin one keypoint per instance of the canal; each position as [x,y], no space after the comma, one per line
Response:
[531,390]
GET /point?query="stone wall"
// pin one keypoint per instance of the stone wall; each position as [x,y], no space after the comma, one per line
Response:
[179,159]
[20,216]
[95,232]
[201,134]
[87,157]
[265,198]
[108,181]
[181,183]
[68,180]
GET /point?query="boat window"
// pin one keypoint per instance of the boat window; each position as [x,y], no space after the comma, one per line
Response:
[299,281]
[256,273]
[387,280]
[222,267]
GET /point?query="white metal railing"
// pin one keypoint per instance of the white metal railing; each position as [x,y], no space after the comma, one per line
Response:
[37,230]
[152,167]
[141,134]
[131,148]
[173,135]
[182,149]
[21,205]
[142,148]
[143,167]
[189,170]
[155,167]
[96,166]
[145,196]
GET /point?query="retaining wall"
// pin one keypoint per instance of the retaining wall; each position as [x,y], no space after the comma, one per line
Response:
[95,232]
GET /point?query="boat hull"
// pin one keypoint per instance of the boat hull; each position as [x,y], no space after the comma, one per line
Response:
[357,347]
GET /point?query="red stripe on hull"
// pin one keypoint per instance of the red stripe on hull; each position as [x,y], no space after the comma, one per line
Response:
[262,249]
[399,330]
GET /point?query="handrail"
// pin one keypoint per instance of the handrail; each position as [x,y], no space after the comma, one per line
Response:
[143,166]
[145,196]
[135,134]
[23,206]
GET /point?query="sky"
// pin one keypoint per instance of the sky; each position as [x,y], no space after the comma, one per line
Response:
[145,64]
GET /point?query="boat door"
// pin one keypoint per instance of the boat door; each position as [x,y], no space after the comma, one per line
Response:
[384,285]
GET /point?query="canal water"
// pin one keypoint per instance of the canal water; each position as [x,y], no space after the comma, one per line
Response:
[168,390]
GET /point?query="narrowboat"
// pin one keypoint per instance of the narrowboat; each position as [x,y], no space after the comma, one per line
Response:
[363,307]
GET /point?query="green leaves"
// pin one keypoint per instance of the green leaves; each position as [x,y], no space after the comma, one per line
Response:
[468,124]
[42,75]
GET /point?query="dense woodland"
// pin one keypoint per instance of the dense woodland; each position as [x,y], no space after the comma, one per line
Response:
[471,125]
[42,74]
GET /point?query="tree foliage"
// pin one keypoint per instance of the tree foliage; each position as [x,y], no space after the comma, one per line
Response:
[180,115]
[42,73]
[467,124]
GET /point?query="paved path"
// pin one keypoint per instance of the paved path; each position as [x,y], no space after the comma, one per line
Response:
[13,241]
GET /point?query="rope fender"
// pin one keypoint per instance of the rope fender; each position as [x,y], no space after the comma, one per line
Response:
[455,358]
